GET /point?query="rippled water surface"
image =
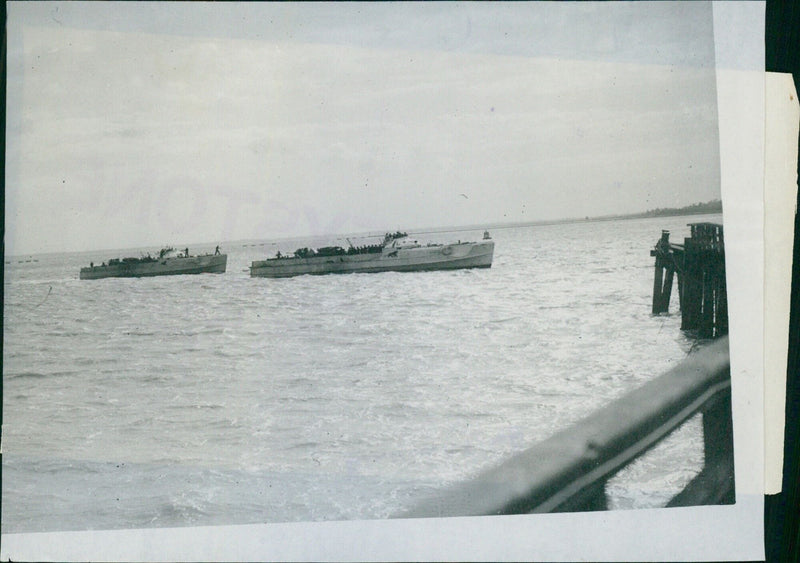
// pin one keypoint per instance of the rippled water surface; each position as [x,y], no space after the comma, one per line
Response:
[221,399]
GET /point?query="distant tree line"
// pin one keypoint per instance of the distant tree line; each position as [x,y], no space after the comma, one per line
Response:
[713,206]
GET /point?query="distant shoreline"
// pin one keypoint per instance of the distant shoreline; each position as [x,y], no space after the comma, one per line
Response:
[709,208]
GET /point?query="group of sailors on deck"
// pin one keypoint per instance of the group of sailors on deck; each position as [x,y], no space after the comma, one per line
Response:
[332,251]
[164,252]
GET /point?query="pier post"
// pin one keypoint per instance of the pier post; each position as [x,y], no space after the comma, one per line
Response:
[662,276]
[715,484]
[689,296]
[700,264]
[706,327]
[722,306]
[718,446]
[667,291]
[657,277]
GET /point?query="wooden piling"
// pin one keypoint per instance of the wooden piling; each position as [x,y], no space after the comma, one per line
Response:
[662,276]
[689,295]
[667,290]
[700,266]
[657,285]
[706,328]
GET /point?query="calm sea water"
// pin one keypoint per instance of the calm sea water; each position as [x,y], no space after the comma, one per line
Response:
[221,399]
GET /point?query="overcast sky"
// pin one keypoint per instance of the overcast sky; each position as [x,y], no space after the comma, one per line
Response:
[140,124]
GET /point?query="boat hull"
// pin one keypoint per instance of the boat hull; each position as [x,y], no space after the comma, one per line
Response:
[440,257]
[210,264]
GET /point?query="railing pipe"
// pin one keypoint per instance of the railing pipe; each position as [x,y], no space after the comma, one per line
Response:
[568,471]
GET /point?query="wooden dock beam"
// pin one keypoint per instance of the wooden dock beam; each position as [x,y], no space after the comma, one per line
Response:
[700,265]
[664,272]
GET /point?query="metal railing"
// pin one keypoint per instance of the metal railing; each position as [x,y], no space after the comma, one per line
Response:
[569,471]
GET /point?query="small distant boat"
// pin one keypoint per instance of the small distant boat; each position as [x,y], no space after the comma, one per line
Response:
[169,262]
[397,253]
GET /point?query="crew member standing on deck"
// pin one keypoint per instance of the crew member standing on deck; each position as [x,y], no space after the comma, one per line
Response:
[216,251]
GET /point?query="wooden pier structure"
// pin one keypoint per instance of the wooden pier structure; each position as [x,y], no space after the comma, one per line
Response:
[700,267]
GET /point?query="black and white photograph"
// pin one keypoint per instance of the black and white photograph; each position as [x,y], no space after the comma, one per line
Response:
[303,263]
